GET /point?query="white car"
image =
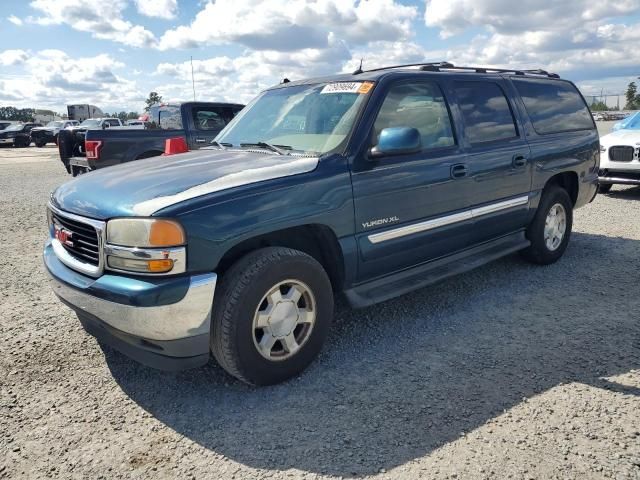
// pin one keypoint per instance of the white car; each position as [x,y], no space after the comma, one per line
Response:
[619,159]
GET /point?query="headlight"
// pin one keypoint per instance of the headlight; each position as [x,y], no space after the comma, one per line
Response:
[145,245]
[145,232]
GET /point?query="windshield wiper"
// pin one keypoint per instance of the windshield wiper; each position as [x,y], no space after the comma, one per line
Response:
[279,149]
[221,145]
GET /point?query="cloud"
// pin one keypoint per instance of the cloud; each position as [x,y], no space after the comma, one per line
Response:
[13,57]
[103,19]
[292,25]
[51,78]
[508,17]
[166,9]
[15,20]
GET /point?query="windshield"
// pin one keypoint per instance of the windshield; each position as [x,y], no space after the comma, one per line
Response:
[54,124]
[311,119]
[14,128]
[90,123]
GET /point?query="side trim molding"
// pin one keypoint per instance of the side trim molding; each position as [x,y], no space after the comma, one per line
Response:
[447,220]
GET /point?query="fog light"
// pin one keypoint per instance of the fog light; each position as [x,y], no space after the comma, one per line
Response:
[138,265]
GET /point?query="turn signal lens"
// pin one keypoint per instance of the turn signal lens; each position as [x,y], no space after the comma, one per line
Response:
[165,233]
[145,232]
[142,266]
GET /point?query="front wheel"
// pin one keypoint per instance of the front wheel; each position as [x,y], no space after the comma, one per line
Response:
[550,229]
[271,315]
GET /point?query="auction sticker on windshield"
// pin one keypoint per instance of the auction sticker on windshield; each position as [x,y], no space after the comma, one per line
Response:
[348,87]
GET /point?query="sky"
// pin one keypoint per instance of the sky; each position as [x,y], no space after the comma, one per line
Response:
[113,53]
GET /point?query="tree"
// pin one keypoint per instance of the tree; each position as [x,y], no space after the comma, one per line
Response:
[633,99]
[132,115]
[599,106]
[17,114]
[152,100]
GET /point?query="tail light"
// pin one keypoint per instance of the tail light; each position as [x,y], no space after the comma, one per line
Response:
[92,147]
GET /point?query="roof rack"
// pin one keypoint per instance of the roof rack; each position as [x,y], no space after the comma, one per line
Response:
[446,66]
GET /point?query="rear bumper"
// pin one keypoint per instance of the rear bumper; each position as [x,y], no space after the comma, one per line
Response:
[162,323]
[81,162]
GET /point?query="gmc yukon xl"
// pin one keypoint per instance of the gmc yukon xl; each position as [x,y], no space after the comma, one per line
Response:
[368,185]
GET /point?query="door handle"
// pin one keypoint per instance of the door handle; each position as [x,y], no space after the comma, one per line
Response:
[458,171]
[201,140]
[519,160]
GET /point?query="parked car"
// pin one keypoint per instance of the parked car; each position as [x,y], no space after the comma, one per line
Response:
[135,124]
[5,123]
[368,185]
[620,158]
[197,122]
[17,135]
[71,139]
[49,133]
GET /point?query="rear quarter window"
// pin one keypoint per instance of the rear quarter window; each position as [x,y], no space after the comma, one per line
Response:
[554,106]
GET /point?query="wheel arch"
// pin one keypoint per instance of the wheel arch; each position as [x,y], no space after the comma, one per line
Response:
[317,240]
[568,181]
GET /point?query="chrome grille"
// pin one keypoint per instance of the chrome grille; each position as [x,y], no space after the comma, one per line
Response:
[621,153]
[84,243]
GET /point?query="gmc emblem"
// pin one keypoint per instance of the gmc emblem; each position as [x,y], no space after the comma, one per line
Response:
[63,236]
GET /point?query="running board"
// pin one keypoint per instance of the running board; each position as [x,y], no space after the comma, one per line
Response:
[399,283]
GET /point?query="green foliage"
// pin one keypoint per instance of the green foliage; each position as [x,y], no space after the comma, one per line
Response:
[17,114]
[633,98]
[154,98]
[599,107]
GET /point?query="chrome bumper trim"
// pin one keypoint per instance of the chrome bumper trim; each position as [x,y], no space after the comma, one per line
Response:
[186,318]
[448,219]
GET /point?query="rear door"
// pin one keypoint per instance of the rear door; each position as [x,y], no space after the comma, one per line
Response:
[497,156]
[410,208]
[206,122]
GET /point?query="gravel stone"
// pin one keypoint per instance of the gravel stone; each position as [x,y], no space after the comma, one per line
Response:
[509,371]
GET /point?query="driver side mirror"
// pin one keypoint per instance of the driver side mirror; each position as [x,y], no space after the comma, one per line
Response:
[397,141]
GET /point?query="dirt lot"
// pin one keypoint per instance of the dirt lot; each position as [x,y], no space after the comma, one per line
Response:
[510,371]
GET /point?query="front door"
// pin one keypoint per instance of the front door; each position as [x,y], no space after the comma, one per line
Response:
[498,158]
[410,208]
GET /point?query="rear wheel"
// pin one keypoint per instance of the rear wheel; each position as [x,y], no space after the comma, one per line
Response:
[550,230]
[605,187]
[271,315]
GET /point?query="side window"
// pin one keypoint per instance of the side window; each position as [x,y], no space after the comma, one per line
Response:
[113,123]
[486,112]
[554,106]
[169,117]
[207,118]
[417,105]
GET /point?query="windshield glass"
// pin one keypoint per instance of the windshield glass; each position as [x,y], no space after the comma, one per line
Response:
[14,128]
[312,119]
[54,124]
[90,123]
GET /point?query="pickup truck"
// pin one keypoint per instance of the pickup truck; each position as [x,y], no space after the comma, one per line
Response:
[197,122]
[367,185]
[49,133]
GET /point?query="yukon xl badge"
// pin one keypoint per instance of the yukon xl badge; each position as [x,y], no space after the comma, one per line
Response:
[380,221]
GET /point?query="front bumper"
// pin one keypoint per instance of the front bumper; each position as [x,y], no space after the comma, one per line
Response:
[163,323]
[622,177]
[6,140]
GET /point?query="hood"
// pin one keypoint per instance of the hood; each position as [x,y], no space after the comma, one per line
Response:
[143,187]
[44,129]
[621,137]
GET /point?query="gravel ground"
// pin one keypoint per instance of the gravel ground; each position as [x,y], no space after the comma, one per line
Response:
[509,371]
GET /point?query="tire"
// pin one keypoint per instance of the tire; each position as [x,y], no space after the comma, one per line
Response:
[242,296]
[40,144]
[605,187]
[543,250]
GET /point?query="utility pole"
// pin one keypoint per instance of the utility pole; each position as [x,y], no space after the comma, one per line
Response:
[193,82]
